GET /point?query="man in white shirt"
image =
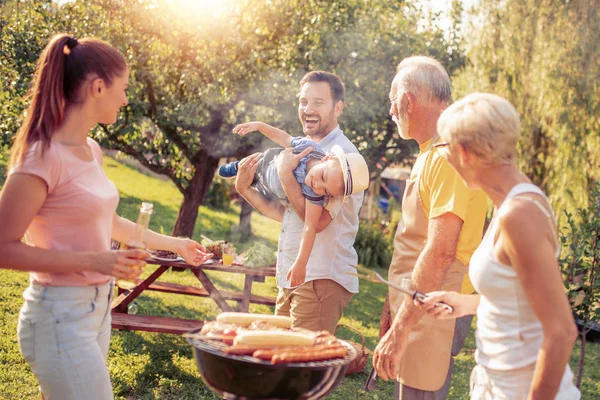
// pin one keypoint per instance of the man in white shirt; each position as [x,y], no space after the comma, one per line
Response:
[318,303]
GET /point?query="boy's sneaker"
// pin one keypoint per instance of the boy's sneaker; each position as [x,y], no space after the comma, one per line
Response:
[229,170]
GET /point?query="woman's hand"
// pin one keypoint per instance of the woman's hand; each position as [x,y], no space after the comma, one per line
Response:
[244,129]
[123,264]
[462,304]
[193,252]
[246,169]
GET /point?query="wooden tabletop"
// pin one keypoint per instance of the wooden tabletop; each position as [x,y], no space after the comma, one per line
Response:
[217,265]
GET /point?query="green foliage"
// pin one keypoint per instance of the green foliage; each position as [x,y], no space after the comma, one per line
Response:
[580,265]
[25,28]
[537,54]
[372,245]
[260,255]
[192,81]
[219,194]
[4,158]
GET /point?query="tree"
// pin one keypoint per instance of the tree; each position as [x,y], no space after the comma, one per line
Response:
[538,54]
[191,82]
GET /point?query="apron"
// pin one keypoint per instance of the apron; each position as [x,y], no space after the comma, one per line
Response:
[426,360]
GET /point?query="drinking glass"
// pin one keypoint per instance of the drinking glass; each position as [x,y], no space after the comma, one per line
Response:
[228,253]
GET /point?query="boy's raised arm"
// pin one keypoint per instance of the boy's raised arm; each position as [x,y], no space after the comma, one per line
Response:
[275,134]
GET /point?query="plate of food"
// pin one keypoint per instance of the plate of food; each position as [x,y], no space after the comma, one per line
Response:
[258,356]
[166,255]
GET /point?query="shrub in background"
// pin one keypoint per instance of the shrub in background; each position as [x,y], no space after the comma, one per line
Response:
[219,194]
[580,265]
[4,156]
[373,246]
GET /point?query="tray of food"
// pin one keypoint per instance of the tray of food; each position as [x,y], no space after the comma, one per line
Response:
[257,356]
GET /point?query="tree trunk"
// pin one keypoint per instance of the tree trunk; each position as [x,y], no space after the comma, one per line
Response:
[246,212]
[194,195]
[581,358]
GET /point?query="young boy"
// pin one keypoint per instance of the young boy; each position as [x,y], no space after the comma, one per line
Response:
[321,176]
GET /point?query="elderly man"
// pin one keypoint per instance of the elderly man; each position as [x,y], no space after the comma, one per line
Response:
[442,223]
[317,304]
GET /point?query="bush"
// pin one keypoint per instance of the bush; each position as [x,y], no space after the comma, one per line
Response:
[580,265]
[374,248]
[4,156]
[219,194]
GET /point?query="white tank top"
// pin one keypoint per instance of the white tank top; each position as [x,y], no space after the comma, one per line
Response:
[509,335]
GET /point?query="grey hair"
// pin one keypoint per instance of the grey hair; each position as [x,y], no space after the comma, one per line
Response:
[426,78]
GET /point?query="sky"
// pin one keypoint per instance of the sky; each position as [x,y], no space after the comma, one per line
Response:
[444,6]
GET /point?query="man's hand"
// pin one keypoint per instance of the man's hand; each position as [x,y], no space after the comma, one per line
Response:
[289,162]
[246,169]
[389,351]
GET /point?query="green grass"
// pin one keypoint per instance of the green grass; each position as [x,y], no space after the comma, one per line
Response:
[158,366]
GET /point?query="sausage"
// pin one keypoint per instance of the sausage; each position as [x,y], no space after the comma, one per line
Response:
[267,354]
[308,356]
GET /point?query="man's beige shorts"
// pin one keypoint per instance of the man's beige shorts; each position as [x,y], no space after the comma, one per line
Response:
[316,305]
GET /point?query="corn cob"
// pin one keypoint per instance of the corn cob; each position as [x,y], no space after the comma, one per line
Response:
[245,319]
[268,339]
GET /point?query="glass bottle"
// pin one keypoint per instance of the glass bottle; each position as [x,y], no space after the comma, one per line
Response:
[137,239]
[143,221]
[132,308]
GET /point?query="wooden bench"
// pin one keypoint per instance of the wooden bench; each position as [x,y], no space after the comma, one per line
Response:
[150,323]
[123,320]
[167,287]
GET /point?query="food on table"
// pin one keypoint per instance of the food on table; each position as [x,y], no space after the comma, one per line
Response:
[270,338]
[166,254]
[214,247]
[259,256]
[245,319]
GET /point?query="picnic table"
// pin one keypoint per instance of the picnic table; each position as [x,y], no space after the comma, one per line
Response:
[122,320]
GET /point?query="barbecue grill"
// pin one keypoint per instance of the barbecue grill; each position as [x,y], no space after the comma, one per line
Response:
[248,378]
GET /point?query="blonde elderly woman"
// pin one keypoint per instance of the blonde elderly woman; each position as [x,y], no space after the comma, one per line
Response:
[525,330]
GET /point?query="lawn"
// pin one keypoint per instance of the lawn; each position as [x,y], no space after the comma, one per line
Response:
[159,366]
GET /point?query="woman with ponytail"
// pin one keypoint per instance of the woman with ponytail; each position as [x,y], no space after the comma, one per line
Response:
[58,197]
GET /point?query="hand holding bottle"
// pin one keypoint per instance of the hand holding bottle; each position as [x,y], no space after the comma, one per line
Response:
[122,264]
[131,260]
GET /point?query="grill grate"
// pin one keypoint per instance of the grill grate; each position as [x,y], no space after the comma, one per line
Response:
[218,348]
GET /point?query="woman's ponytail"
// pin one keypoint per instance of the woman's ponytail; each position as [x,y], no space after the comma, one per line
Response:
[47,100]
[63,66]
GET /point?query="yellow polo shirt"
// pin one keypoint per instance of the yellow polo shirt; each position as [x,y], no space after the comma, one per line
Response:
[442,190]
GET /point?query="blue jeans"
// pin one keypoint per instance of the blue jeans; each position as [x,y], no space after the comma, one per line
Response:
[64,334]
[266,180]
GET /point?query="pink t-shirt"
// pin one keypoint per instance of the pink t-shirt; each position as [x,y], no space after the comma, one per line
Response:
[78,212]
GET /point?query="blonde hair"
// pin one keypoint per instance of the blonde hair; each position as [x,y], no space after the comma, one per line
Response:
[486,124]
[426,78]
